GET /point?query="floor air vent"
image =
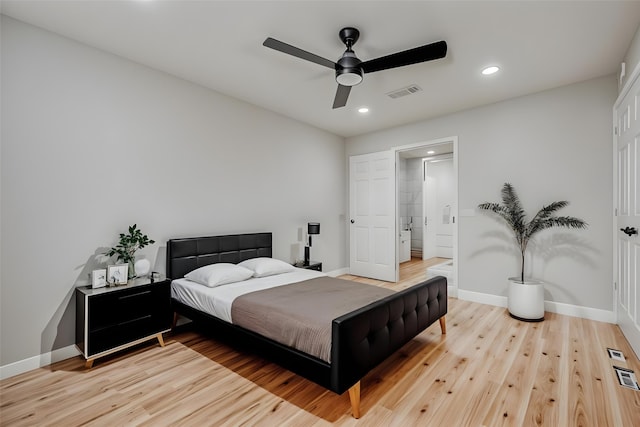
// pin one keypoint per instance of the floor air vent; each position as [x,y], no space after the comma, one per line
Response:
[626,378]
[409,90]
[616,355]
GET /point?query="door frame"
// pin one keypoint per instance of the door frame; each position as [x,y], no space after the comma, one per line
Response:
[452,289]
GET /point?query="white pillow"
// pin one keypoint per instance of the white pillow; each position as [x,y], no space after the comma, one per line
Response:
[263,267]
[219,274]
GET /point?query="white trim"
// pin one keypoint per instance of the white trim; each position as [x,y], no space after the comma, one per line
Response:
[550,306]
[338,272]
[614,225]
[415,145]
[453,290]
[589,313]
[498,301]
[36,362]
[396,213]
[627,86]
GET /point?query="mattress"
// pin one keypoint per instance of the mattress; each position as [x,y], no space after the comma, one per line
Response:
[218,301]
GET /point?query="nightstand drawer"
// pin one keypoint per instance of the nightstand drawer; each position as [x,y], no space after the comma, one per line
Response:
[122,306]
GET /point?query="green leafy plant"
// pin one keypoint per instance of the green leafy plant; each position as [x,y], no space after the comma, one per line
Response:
[513,214]
[129,244]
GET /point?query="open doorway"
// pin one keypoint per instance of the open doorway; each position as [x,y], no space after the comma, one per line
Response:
[427,195]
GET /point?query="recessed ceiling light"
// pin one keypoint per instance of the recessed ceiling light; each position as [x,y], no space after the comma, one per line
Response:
[363,110]
[431,152]
[490,70]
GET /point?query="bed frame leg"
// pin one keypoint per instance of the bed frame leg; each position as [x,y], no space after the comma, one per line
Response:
[175,320]
[354,396]
[443,325]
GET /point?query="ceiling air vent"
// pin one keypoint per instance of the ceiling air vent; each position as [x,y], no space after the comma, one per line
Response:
[409,90]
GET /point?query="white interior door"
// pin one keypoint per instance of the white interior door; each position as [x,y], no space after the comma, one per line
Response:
[627,116]
[372,184]
[440,205]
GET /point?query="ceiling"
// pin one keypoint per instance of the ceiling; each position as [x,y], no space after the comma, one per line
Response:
[218,44]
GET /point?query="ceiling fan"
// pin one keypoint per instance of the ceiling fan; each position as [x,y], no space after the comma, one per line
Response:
[350,70]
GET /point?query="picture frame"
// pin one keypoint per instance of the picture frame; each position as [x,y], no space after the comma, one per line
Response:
[117,274]
[99,278]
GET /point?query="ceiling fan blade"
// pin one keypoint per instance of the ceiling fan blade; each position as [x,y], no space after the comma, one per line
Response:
[299,53]
[416,55]
[342,94]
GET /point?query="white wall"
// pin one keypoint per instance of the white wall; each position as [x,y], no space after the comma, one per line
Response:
[92,143]
[553,145]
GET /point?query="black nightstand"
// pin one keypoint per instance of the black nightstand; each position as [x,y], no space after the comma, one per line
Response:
[111,319]
[313,265]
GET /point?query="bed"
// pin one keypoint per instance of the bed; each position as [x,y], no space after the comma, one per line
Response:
[360,339]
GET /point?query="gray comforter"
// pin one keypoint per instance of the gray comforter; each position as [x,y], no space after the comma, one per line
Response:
[299,315]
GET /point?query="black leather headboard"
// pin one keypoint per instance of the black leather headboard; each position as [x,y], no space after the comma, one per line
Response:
[185,255]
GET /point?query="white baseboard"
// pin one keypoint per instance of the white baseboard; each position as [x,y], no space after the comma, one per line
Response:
[452,291]
[339,272]
[488,299]
[550,306]
[36,362]
[583,312]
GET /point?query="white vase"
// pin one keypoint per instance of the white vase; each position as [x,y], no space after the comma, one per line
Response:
[142,267]
[526,299]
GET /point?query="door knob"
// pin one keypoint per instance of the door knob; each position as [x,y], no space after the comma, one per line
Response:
[353,221]
[629,231]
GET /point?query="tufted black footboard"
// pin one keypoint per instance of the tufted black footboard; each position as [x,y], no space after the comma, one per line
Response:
[363,338]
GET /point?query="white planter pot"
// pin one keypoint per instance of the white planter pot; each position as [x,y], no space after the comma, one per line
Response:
[526,300]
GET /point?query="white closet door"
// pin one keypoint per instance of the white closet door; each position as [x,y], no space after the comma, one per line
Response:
[627,116]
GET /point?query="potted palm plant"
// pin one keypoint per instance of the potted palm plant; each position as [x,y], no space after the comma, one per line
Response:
[526,296]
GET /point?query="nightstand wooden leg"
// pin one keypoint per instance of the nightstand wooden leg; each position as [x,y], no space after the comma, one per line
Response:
[160,340]
[443,325]
[89,363]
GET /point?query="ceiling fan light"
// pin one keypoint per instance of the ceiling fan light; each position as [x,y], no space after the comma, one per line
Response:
[349,76]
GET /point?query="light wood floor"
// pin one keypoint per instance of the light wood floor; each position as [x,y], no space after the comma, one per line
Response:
[488,370]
